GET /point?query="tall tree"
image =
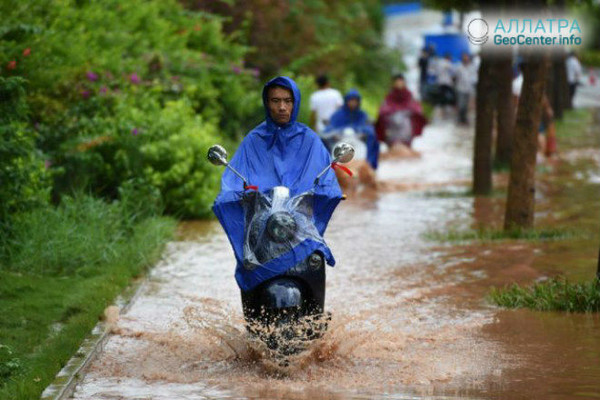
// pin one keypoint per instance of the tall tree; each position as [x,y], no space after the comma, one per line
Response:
[310,37]
[505,121]
[520,204]
[558,87]
[484,114]
[598,270]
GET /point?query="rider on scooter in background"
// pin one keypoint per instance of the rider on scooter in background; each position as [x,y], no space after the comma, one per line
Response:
[278,152]
[351,116]
[400,119]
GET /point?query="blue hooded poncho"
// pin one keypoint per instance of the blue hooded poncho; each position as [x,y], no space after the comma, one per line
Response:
[357,119]
[271,155]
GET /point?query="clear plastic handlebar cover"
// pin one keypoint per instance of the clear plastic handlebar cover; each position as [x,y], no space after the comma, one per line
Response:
[275,223]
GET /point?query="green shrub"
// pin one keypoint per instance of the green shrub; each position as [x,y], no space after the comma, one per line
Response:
[24,179]
[140,200]
[13,107]
[174,159]
[108,81]
[161,146]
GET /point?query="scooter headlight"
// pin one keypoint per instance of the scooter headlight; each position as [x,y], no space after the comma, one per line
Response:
[281,226]
[315,261]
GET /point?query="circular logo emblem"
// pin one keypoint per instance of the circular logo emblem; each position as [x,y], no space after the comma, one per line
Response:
[477,31]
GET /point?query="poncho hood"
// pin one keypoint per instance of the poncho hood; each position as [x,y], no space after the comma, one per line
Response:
[287,83]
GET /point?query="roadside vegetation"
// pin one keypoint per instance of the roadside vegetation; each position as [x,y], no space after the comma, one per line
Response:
[572,290]
[489,235]
[577,130]
[591,58]
[107,109]
[556,294]
[305,38]
[60,268]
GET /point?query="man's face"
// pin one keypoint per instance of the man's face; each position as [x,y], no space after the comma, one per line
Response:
[281,104]
[399,83]
[352,104]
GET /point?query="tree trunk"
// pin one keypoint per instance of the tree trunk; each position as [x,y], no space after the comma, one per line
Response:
[558,87]
[598,270]
[482,160]
[520,203]
[505,109]
[563,100]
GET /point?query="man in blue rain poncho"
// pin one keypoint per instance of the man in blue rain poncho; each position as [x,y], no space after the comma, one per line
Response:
[351,116]
[278,152]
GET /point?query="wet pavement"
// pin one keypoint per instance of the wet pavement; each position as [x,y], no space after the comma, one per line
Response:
[410,319]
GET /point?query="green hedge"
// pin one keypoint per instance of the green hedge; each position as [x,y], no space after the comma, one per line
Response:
[129,90]
[24,179]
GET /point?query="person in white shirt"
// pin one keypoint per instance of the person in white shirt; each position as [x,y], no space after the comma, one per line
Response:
[573,73]
[445,80]
[444,71]
[466,75]
[517,85]
[323,103]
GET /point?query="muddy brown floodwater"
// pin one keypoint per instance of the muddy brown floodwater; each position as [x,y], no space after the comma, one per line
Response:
[410,320]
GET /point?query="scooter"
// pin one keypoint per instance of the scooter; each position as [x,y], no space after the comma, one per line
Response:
[349,135]
[287,310]
[361,170]
[399,129]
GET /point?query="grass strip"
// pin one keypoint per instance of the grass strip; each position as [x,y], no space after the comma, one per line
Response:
[556,294]
[575,130]
[48,309]
[463,193]
[491,235]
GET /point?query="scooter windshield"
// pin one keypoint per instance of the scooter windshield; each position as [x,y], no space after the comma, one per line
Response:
[354,137]
[399,128]
[275,224]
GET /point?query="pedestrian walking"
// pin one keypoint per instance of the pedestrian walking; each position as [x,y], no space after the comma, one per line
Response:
[465,84]
[574,72]
[323,103]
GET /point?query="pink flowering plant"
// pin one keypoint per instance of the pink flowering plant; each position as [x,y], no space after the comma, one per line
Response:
[99,100]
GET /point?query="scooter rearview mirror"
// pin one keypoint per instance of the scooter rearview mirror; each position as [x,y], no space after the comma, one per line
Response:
[217,155]
[343,153]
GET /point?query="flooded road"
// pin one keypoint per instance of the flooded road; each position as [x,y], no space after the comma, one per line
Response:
[410,320]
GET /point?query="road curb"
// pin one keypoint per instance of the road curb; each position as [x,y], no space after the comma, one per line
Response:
[72,373]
